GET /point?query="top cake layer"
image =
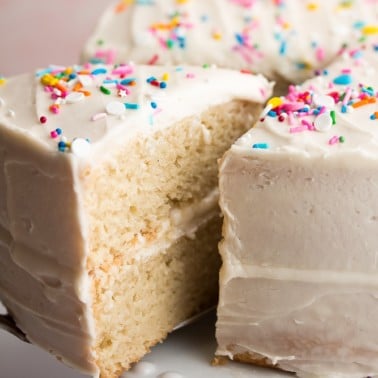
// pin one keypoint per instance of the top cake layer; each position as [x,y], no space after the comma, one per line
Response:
[277,38]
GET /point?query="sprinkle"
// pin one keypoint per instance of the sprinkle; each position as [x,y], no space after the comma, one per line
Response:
[262,146]
[341,139]
[153,105]
[42,119]
[344,79]
[105,90]
[2,81]
[333,117]
[274,102]
[74,97]
[54,108]
[115,108]
[99,71]
[323,122]
[333,140]
[54,134]
[80,147]
[366,101]
[163,85]
[370,30]
[165,76]
[132,106]
[98,116]
[62,146]
[374,116]
[153,60]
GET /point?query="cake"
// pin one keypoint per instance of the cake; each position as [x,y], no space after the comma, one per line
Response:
[299,194]
[109,220]
[286,40]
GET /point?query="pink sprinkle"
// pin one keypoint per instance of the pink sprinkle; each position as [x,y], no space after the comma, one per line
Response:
[347,96]
[53,134]
[320,54]
[298,129]
[308,125]
[98,116]
[333,140]
[190,75]
[291,119]
[153,60]
[346,71]
[123,70]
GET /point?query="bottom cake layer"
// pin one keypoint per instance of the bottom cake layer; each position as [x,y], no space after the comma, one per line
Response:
[148,300]
[154,296]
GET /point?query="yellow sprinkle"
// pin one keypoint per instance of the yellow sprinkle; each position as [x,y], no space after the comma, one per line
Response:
[275,101]
[165,76]
[217,36]
[345,4]
[2,81]
[181,1]
[49,80]
[68,71]
[286,25]
[370,30]
[312,6]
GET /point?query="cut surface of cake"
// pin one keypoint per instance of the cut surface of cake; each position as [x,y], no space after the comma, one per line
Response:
[280,39]
[299,194]
[109,220]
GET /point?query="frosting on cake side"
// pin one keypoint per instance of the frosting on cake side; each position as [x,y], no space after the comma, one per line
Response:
[298,286]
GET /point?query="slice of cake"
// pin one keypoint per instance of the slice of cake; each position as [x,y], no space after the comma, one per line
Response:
[282,39]
[299,193]
[109,221]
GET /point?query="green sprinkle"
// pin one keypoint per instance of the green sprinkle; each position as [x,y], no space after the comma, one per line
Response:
[100,42]
[341,139]
[206,65]
[170,43]
[333,116]
[105,90]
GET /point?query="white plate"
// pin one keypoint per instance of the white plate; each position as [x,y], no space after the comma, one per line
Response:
[187,351]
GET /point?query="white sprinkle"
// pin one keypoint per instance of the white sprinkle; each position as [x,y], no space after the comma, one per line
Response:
[74,97]
[85,80]
[80,147]
[323,100]
[11,113]
[144,368]
[98,116]
[115,108]
[2,102]
[323,122]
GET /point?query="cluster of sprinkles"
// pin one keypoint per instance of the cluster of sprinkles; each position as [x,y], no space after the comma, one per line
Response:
[310,111]
[73,86]
[173,31]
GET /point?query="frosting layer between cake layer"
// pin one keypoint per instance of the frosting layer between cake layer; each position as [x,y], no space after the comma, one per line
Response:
[299,193]
[287,39]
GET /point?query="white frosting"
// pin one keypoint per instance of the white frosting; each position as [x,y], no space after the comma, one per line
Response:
[299,278]
[43,222]
[288,38]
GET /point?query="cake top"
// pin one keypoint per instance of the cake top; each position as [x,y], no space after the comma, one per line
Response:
[335,112]
[80,109]
[286,38]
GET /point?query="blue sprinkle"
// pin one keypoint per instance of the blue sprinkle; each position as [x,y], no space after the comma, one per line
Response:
[344,108]
[99,71]
[58,131]
[373,117]
[43,72]
[109,81]
[204,17]
[163,85]
[369,91]
[133,106]
[153,105]
[325,72]
[357,54]
[283,48]
[96,60]
[127,81]
[262,146]
[359,24]
[72,76]
[375,47]
[150,79]
[343,80]
[272,113]
[61,146]
[179,69]
[239,39]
